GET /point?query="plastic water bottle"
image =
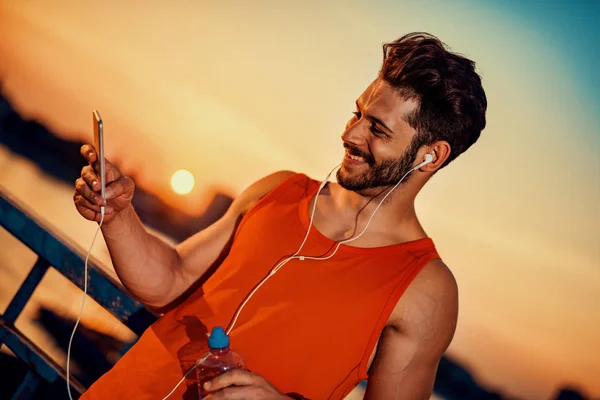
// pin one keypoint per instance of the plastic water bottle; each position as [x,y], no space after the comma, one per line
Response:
[219,359]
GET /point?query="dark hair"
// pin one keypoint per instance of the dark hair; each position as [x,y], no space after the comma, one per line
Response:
[452,102]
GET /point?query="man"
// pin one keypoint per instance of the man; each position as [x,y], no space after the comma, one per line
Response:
[382,306]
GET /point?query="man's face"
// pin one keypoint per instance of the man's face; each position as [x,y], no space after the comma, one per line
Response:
[379,142]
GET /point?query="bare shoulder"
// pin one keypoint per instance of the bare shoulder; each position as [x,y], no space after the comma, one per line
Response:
[258,190]
[429,307]
[436,283]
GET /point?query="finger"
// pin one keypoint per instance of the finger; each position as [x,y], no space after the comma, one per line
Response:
[111,172]
[81,201]
[238,377]
[83,208]
[117,188]
[90,211]
[91,178]
[84,190]
[89,153]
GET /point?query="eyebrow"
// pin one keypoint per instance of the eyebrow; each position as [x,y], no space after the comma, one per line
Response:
[375,119]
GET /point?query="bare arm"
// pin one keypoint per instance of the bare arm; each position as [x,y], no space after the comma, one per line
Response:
[151,269]
[144,263]
[410,348]
[156,272]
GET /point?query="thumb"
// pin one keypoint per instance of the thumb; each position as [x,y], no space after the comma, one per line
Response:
[122,186]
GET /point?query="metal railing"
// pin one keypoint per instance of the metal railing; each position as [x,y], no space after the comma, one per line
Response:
[56,252]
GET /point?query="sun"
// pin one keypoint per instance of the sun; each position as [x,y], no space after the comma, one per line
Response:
[182,181]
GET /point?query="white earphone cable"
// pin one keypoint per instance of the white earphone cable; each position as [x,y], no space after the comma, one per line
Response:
[85,287]
[275,269]
[282,263]
[295,255]
[351,239]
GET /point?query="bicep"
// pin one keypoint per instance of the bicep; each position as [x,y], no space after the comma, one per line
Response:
[201,250]
[400,371]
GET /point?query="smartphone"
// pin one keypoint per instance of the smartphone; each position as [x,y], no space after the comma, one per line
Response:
[99,145]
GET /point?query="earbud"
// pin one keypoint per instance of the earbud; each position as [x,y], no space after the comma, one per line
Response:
[428,159]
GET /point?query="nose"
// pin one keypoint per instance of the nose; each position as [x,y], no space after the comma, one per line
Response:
[356,132]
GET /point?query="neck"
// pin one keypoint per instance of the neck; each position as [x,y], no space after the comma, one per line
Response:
[342,214]
[397,211]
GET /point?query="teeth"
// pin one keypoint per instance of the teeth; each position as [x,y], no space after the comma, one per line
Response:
[357,158]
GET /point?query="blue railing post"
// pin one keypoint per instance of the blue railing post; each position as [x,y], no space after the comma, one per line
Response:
[25,291]
[65,257]
[27,388]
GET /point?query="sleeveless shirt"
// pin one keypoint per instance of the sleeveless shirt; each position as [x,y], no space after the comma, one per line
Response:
[310,328]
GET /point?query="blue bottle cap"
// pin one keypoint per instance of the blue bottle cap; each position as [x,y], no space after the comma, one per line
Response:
[218,338]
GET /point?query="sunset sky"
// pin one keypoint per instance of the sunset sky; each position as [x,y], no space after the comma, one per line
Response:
[232,91]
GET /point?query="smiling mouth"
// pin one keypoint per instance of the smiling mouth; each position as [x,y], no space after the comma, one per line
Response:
[355,158]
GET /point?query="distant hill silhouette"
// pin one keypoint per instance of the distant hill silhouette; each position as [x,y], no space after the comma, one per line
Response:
[61,159]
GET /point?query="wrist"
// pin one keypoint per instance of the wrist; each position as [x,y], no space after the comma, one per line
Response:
[116,222]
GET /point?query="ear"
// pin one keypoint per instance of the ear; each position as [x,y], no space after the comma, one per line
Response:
[440,151]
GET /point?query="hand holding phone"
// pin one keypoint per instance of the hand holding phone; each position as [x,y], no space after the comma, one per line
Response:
[101,183]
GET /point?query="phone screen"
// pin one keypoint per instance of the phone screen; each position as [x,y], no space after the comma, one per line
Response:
[99,145]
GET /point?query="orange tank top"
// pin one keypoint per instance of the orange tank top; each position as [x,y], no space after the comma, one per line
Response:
[310,328]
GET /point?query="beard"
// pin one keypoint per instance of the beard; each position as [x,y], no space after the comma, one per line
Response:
[380,174]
